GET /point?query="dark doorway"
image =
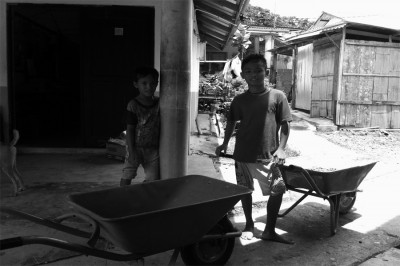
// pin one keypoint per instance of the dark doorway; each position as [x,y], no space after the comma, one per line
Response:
[71,70]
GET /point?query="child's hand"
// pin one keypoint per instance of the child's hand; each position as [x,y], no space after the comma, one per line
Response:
[279,156]
[221,148]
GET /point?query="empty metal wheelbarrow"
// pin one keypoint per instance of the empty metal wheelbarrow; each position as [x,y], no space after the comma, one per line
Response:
[338,187]
[187,214]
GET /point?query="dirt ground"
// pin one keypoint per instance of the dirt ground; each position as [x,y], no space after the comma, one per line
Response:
[375,144]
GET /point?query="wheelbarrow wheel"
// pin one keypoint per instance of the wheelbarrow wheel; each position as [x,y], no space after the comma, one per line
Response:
[211,252]
[347,201]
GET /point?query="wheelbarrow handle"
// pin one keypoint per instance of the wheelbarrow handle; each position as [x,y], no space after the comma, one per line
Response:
[12,242]
[53,242]
[96,232]
[56,224]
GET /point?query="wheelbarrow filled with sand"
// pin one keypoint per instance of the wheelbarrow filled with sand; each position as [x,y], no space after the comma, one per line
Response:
[339,187]
[185,214]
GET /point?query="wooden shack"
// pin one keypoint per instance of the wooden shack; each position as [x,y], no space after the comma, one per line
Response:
[348,72]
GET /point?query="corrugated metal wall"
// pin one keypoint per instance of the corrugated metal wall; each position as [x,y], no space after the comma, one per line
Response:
[370,88]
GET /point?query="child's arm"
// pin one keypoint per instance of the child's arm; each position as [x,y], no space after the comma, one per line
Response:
[230,127]
[131,121]
[279,154]
[130,137]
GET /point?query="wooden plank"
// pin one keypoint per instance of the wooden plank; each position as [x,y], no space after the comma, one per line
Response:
[351,115]
[394,62]
[294,76]
[329,109]
[371,102]
[323,88]
[316,84]
[322,76]
[314,112]
[380,91]
[380,116]
[340,115]
[374,44]
[323,112]
[329,84]
[363,113]
[355,115]
[367,55]
[322,80]
[395,117]
[322,95]
[370,75]
[317,64]
[350,88]
[335,79]
[365,89]
[394,89]
[351,59]
[331,62]
[303,77]
[382,58]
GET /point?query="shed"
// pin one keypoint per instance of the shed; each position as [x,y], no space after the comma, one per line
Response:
[348,72]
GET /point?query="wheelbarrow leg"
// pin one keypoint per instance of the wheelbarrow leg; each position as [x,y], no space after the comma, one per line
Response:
[334,202]
[296,203]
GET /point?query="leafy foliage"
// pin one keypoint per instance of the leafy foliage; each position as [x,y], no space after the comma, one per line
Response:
[258,16]
[241,39]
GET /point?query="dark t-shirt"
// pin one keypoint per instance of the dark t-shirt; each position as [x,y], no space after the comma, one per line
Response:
[260,117]
[146,120]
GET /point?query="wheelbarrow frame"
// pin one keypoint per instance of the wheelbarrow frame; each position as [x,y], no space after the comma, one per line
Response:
[305,183]
[93,237]
[129,220]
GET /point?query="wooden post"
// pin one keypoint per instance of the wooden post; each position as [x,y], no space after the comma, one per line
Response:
[339,79]
[294,76]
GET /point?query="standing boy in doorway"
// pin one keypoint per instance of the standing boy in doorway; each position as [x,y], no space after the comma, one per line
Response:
[262,112]
[143,128]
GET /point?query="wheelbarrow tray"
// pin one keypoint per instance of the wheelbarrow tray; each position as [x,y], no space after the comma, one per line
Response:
[157,216]
[328,183]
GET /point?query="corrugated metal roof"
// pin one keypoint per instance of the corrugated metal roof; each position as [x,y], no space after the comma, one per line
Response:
[217,20]
[254,30]
[328,23]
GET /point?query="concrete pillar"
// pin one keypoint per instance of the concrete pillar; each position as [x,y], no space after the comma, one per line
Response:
[269,44]
[256,44]
[175,71]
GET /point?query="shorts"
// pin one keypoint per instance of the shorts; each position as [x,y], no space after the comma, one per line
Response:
[149,158]
[265,172]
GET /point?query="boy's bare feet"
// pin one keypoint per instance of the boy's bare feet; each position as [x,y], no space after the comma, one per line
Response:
[248,232]
[275,237]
